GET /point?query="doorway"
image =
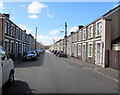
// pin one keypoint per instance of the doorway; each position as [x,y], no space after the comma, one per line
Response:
[84,52]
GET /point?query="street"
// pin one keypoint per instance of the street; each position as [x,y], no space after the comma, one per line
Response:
[52,74]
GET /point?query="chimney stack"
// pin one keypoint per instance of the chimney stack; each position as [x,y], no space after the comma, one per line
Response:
[80,26]
[7,15]
[72,32]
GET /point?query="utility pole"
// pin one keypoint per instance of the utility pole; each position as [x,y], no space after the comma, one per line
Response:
[35,39]
[65,39]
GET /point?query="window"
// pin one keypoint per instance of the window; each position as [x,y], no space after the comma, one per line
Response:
[98,28]
[90,31]
[13,30]
[7,46]
[20,34]
[90,49]
[76,36]
[84,34]
[79,37]
[79,49]
[17,33]
[6,28]
[12,47]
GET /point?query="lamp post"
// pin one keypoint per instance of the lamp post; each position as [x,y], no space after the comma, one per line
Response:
[65,39]
[36,39]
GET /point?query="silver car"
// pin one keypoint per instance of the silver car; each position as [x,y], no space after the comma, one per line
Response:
[6,68]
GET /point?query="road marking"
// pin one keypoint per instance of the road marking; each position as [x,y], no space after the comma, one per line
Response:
[100,73]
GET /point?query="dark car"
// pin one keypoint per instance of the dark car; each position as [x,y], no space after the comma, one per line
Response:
[60,54]
[30,55]
[55,51]
[40,51]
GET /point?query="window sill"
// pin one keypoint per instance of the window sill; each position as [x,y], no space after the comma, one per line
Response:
[90,37]
[90,56]
[98,36]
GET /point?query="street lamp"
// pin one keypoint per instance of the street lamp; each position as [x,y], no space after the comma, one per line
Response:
[36,39]
[65,37]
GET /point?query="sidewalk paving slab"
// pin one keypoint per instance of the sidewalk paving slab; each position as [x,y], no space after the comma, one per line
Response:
[109,72]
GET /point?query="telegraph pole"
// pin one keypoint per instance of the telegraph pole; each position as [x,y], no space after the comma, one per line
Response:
[65,39]
[35,39]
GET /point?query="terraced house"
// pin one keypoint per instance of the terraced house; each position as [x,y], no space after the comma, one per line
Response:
[15,40]
[93,42]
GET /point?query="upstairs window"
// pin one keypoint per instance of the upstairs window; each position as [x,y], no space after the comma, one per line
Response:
[6,28]
[13,30]
[84,34]
[79,36]
[75,37]
[90,31]
[98,29]
[17,33]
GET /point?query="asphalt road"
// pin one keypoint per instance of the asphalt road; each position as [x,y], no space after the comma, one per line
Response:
[51,74]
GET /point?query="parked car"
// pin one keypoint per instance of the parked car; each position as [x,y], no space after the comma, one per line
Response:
[38,54]
[40,51]
[60,54]
[55,51]
[52,51]
[30,55]
[6,68]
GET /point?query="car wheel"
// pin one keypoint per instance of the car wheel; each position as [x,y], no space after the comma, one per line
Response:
[11,78]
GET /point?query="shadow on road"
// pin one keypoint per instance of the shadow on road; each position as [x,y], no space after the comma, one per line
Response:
[18,87]
[32,63]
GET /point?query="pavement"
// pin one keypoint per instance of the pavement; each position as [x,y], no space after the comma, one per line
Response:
[108,72]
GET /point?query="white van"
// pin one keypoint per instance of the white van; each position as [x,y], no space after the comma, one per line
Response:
[6,68]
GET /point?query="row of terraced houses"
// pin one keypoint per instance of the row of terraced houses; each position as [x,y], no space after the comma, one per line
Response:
[15,40]
[94,42]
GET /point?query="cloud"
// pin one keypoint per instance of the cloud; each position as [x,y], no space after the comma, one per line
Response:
[29,31]
[1,6]
[74,29]
[54,32]
[115,5]
[47,40]
[22,6]
[33,16]
[49,15]
[36,7]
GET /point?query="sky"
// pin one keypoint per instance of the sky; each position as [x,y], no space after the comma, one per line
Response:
[50,17]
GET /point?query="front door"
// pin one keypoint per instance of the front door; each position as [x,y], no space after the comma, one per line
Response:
[98,54]
[84,53]
[75,48]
